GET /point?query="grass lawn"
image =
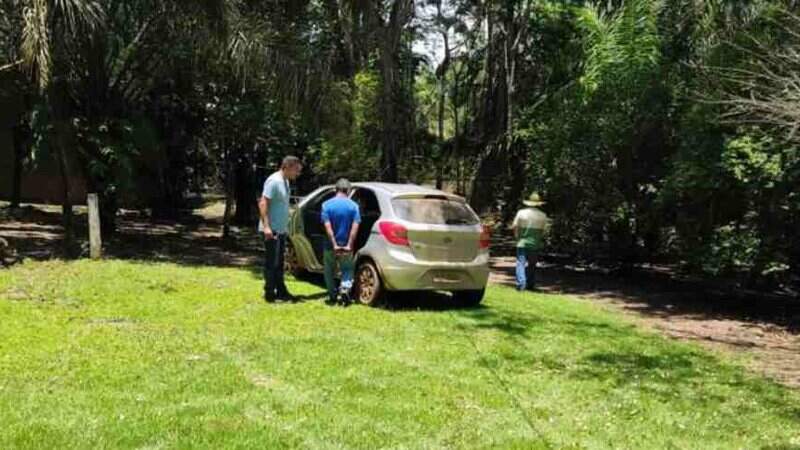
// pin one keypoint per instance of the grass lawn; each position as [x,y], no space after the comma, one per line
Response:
[134,355]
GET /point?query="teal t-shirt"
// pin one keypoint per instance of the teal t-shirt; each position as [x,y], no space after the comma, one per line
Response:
[277,190]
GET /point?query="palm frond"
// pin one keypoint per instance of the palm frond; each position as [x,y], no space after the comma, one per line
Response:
[620,45]
[10,66]
[35,47]
[80,13]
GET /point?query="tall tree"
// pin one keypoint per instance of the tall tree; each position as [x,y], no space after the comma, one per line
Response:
[391,20]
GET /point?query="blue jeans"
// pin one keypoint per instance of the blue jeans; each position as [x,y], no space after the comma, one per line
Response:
[526,268]
[274,253]
[345,263]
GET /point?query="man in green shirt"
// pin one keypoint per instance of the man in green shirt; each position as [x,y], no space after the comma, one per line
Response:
[529,227]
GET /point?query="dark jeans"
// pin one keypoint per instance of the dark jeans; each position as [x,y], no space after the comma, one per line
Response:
[274,253]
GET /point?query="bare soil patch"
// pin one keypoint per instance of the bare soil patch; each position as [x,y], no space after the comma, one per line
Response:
[763,328]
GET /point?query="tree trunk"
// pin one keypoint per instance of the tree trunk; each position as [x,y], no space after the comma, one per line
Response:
[516,155]
[244,192]
[18,134]
[390,129]
[488,68]
[58,106]
[343,39]
[515,26]
[510,66]
[229,186]
[441,75]
[389,138]
[517,181]
[391,33]
[197,168]
[488,178]
[442,159]
[460,184]
[66,201]
[109,207]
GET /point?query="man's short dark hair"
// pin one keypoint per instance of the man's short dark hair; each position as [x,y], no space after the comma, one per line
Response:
[291,161]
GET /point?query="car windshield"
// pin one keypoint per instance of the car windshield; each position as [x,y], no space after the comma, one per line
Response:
[434,211]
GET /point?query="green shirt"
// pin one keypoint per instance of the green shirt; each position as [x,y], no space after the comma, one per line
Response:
[531,224]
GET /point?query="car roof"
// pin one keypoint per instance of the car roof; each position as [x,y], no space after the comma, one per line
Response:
[395,189]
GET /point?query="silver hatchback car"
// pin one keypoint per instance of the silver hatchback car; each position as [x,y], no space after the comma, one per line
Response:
[411,238]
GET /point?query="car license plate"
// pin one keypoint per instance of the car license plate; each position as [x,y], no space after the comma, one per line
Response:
[446,278]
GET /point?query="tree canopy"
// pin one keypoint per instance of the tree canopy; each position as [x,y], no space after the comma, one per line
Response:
[656,131]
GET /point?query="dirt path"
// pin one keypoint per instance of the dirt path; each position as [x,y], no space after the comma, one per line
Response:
[763,329]
[766,331]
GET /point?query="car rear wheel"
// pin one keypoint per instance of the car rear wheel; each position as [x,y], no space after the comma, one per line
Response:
[291,262]
[368,286]
[469,298]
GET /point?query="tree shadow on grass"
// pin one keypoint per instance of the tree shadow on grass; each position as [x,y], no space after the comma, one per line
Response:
[491,319]
[663,372]
[668,374]
[525,325]
[624,368]
[666,295]
[36,232]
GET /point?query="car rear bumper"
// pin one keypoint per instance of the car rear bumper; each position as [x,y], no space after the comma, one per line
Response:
[402,274]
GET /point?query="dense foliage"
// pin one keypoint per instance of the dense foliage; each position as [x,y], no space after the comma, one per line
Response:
[655,130]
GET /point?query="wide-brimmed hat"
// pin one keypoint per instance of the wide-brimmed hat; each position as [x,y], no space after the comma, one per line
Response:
[534,200]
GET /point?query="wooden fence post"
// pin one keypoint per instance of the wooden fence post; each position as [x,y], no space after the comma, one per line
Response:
[95,240]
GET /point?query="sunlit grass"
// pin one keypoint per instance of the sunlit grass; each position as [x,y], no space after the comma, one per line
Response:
[134,355]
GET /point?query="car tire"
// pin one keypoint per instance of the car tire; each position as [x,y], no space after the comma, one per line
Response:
[291,263]
[469,298]
[368,284]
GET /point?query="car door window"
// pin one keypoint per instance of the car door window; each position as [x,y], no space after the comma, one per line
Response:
[370,213]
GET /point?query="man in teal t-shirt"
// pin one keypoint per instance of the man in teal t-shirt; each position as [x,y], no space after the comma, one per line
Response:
[529,227]
[273,208]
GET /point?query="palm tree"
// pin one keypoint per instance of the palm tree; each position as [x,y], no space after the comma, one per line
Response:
[49,28]
[96,64]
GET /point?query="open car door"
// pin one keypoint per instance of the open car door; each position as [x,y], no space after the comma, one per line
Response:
[308,233]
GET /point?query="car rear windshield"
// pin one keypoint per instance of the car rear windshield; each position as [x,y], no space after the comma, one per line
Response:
[434,211]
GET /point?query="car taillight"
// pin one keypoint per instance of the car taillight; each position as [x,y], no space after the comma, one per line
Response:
[486,237]
[394,233]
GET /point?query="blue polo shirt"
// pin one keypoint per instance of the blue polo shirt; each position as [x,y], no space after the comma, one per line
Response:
[342,213]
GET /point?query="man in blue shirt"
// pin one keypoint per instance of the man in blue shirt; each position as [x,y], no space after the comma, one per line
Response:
[341,218]
[273,208]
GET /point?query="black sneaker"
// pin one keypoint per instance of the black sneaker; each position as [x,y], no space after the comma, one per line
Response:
[269,298]
[287,297]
